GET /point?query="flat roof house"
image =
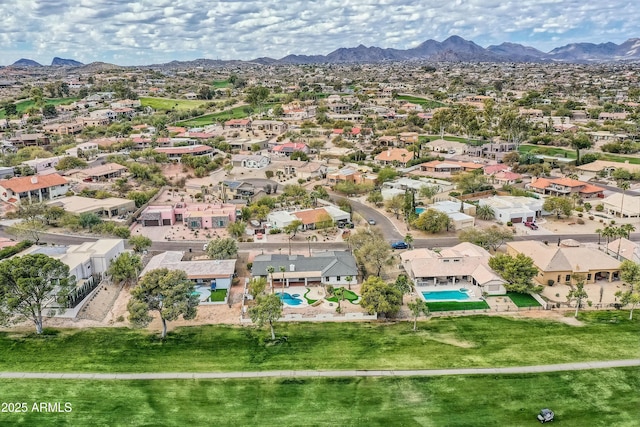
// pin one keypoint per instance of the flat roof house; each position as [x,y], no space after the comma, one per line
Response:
[175,153]
[111,207]
[216,273]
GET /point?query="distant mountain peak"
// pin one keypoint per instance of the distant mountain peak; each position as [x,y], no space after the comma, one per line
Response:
[24,62]
[61,62]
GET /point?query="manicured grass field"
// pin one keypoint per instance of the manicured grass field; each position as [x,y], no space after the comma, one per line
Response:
[606,397]
[26,104]
[239,112]
[166,104]
[348,296]
[221,84]
[425,103]
[470,341]
[571,154]
[523,300]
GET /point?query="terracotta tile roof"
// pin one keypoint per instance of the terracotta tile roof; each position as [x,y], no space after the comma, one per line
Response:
[312,216]
[395,155]
[29,183]
[491,169]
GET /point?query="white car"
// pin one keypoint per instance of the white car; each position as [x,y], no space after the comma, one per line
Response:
[205,246]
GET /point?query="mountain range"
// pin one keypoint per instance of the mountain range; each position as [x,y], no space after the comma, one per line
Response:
[453,49]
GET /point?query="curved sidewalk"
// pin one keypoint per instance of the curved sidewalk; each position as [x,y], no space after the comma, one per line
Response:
[301,374]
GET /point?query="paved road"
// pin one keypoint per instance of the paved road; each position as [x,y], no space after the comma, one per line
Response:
[347,373]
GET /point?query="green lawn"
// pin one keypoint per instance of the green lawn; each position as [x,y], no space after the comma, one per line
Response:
[218,295]
[22,106]
[166,104]
[606,397]
[457,306]
[221,84]
[523,300]
[428,138]
[571,154]
[348,295]
[470,341]
[425,103]
[239,112]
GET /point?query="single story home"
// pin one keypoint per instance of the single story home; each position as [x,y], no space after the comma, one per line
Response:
[516,209]
[337,268]
[215,273]
[111,207]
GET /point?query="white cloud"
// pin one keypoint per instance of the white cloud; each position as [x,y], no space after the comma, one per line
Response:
[148,31]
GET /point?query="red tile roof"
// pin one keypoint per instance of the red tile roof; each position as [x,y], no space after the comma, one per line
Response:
[29,183]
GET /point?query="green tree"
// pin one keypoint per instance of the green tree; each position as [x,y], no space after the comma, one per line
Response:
[630,273]
[270,270]
[69,162]
[403,284]
[349,279]
[339,294]
[28,284]
[236,229]
[222,248]
[125,268]
[170,293]
[578,293]
[408,239]
[380,297]
[631,298]
[293,228]
[488,238]
[30,230]
[49,111]
[432,221]
[268,309]
[386,174]
[518,271]
[371,250]
[471,182]
[375,198]
[558,205]
[428,191]
[580,141]
[418,307]
[256,286]
[395,204]
[89,220]
[485,212]
[140,243]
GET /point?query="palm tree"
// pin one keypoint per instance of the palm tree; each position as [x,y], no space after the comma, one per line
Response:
[623,231]
[282,270]
[349,279]
[624,185]
[485,212]
[408,239]
[599,231]
[270,270]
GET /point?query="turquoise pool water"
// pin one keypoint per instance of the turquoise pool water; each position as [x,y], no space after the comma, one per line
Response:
[290,299]
[449,295]
[420,210]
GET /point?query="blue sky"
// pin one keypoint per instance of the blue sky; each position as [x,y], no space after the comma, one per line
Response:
[137,32]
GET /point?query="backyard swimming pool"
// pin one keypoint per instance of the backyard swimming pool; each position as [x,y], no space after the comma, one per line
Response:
[447,295]
[290,299]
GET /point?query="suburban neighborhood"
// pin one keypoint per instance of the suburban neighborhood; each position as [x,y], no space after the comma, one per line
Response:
[290,205]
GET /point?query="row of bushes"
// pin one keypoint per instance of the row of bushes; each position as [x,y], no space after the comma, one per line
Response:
[10,251]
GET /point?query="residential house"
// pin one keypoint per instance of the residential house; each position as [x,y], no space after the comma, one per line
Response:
[514,209]
[192,215]
[175,153]
[43,166]
[321,268]
[564,187]
[558,263]
[289,148]
[622,205]
[275,127]
[462,264]
[216,274]
[235,190]
[311,218]
[244,124]
[111,207]
[493,150]
[625,249]
[65,128]
[250,161]
[101,173]
[450,167]
[460,213]
[33,189]
[88,150]
[612,116]
[88,263]
[30,140]
[348,174]
[394,156]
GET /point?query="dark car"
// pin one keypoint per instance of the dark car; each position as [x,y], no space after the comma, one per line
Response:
[545,416]
[532,225]
[399,245]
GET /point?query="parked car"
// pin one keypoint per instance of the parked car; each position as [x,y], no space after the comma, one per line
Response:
[532,225]
[399,245]
[372,221]
[345,225]
[545,416]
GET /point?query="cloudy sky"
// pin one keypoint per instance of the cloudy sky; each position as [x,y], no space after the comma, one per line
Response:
[137,32]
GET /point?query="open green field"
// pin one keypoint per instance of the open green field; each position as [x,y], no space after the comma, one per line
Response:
[607,397]
[428,138]
[571,154]
[425,103]
[26,104]
[239,112]
[165,104]
[221,84]
[448,342]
